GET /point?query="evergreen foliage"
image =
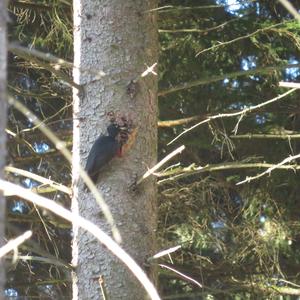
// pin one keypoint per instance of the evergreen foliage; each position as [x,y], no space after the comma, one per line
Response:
[237,241]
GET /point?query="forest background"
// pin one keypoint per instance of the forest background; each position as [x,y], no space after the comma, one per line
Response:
[229,200]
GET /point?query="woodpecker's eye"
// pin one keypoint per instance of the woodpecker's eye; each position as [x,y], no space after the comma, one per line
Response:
[113,130]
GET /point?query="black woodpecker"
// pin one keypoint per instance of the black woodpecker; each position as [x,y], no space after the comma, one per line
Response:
[105,148]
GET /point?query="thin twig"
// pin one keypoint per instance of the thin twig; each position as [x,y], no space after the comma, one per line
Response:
[165,252]
[46,181]
[170,8]
[161,163]
[221,44]
[56,62]
[149,70]
[88,226]
[27,55]
[289,7]
[13,244]
[179,173]
[281,136]
[295,85]
[211,79]
[102,287]
[274,167]
[181,274]
[193,30]
[239,113]
[52,261]
[30,5]
[171,123]
[60,145]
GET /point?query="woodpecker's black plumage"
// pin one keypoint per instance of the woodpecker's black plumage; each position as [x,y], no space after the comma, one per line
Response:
[103,150]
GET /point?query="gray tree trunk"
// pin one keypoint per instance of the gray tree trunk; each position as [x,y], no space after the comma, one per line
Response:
[3,101]
[119,38]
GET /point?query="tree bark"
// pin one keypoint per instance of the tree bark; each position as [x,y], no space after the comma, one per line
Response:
[3,107]
[119,38]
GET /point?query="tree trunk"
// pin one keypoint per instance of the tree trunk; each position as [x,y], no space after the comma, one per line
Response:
[119,38]
[3,101]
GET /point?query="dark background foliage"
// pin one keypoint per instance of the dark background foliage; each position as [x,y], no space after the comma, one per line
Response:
[237,241]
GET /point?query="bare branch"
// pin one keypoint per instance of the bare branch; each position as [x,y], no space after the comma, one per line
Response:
[149,70]
[165,252]
[89,227]
[274,167]
[60,145]
[13,244]
[161,163]
[171,123]
[30,5]
[221,44]
[41,179]
[181,274]
[194,30]
[170,8]
[207,80]
[289,7]
[53,69]
[179,173]
[239,113]
[56,62]
[295,85]
[281,136]
[52,261]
